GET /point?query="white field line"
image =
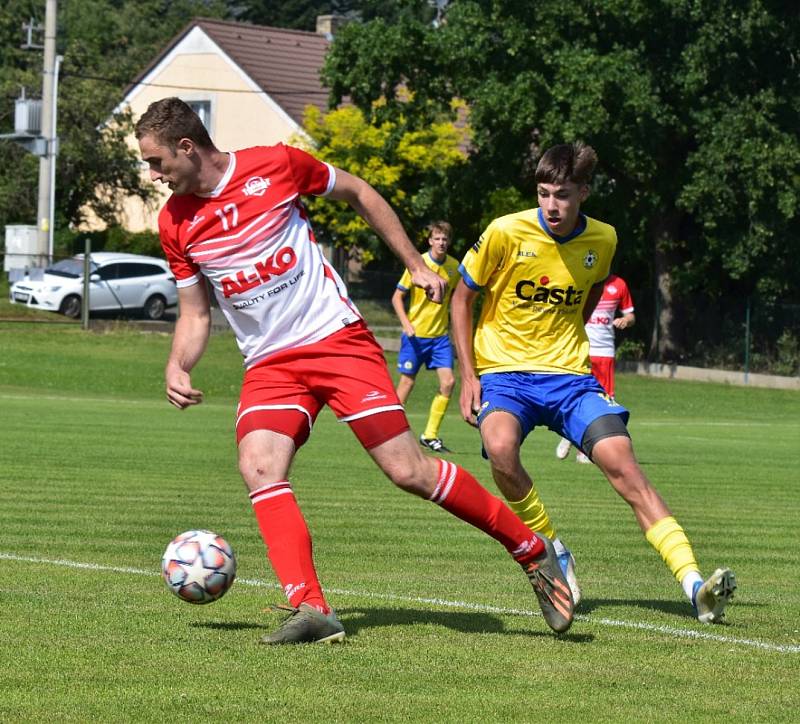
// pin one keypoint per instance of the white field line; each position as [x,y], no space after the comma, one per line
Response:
[441,603]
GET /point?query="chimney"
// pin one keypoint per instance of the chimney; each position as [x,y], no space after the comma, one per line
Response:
[327,25]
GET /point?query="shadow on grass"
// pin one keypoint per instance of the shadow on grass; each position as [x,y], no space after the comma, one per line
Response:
[356,619]
[226,625]
[681,609]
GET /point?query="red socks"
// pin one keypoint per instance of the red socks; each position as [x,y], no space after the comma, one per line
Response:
[288,542]
[463,496]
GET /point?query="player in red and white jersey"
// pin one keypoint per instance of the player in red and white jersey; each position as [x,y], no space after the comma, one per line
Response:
[251,238]
[237,220]
[600,329]
[616,298]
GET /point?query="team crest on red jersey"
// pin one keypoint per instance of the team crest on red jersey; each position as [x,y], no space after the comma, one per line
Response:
[256,186]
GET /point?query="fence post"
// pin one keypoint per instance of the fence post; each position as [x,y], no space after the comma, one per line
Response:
[747,342]
[87,271]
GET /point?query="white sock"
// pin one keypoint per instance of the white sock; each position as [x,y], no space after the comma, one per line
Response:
[688,583]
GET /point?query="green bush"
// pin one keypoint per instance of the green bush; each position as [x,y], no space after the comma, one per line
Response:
[788,355]
[631,349]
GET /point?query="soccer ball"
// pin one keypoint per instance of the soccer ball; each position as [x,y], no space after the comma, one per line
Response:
[199,566]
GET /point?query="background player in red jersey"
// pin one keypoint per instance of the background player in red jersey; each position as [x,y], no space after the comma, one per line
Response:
[236,218]
[616,298]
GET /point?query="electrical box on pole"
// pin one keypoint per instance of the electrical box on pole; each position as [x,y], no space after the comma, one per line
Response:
[28,126]
[27,116]
[35,127]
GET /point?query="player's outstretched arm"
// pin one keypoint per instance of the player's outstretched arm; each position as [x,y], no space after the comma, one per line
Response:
[375,210]
[188,344]
[461,321]
[400,310]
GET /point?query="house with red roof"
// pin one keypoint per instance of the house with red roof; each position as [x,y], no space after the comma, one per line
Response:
[250,85]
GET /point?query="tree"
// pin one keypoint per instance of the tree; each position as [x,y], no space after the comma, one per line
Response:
[302,14]
[104,43]
[691,105]
[18,69]
[408,165]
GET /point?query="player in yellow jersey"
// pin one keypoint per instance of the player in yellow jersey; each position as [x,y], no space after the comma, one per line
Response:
[425,336]
[542,273]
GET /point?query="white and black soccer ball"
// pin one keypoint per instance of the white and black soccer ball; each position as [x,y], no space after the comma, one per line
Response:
[199,566]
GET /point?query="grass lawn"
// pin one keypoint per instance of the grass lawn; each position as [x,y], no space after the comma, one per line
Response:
[98,473]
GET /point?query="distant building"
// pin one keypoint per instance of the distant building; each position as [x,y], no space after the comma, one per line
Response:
[250,84]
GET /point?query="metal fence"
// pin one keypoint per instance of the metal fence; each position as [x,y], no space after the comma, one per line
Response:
[747,334]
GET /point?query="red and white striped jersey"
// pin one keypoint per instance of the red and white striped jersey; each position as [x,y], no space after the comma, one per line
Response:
[600,327]
[251,238]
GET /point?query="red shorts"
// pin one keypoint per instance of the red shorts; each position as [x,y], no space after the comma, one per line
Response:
[346,371]
[603,371]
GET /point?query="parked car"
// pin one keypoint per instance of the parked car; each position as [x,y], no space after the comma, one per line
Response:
[117,281]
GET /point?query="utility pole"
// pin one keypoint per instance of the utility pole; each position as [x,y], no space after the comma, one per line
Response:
[47,162]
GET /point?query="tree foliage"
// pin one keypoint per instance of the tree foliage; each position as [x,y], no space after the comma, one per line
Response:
[407,164]
[104,44]
[691,104]
[302,14]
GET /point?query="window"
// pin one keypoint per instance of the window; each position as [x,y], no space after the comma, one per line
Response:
[129,270]
[109,271]
[202,109]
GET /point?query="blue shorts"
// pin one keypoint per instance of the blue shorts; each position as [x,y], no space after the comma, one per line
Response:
[567,404]
[433,351]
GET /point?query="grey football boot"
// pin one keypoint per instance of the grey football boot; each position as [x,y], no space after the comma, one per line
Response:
[306,624]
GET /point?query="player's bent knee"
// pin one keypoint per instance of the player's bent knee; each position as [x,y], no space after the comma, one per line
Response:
[404,463]
[603,427]
[418,480]
[502,451]
[264,457]
[253,471]
[409,473]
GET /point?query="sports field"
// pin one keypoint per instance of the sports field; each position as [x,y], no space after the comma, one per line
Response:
[98,473]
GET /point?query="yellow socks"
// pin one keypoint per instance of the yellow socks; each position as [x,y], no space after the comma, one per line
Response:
[438,408]
[668,538]
[531,510]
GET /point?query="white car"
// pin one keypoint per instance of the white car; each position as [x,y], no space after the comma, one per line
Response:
[117,282]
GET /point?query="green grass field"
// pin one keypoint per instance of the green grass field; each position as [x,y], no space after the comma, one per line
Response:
[98,473]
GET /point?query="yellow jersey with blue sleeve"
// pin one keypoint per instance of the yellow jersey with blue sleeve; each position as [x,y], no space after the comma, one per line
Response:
[428,318]
[535,286]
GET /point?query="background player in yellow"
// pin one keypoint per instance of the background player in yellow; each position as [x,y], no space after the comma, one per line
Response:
[542,271]
[425,336]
